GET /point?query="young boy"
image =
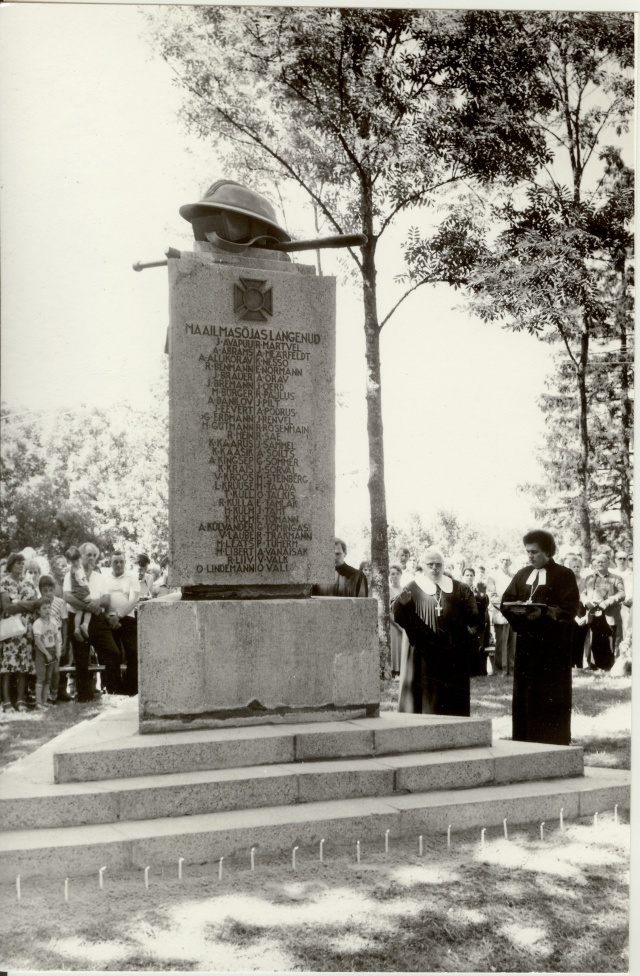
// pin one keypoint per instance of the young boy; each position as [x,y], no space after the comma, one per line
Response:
[58,612]
[46,636]
[80,589]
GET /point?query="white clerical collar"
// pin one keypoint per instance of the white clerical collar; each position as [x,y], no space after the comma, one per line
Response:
[539,575]
[428,586]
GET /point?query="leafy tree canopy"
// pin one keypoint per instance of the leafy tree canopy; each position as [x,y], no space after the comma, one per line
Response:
[391,102]
[97,476]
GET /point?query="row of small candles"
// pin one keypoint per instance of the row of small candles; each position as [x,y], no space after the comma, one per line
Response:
[293,853]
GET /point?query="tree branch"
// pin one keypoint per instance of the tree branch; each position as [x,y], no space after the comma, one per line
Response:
[566,342]
[415,198]
[257,140]
[409,291]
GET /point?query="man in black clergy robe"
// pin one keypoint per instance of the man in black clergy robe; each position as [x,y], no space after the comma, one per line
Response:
[349,581]
[546,597]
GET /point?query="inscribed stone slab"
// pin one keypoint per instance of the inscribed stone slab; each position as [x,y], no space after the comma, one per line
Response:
[252,424]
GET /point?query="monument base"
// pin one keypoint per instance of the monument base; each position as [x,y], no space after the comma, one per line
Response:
[219,663]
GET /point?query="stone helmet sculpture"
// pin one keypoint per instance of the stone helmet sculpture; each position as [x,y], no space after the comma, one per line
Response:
[233,213]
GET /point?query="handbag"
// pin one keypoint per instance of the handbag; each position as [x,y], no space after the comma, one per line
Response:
[11,627]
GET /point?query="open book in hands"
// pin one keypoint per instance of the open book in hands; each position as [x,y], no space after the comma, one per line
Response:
[531,611]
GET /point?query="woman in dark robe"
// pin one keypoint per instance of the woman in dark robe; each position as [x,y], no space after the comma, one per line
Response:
[436,612]
[541,603]
[479,654]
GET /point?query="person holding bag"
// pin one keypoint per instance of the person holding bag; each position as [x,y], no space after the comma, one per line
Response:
[19,601]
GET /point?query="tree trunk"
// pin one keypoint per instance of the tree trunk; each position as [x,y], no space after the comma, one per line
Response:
[377,492]
[626,414]
[583,462]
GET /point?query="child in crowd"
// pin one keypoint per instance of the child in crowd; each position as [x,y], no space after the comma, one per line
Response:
[80,589]
[46,636]
[59,613]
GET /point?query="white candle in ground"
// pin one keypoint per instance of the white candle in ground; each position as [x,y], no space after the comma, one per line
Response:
[386,841]
[615,813]
[146,877]
[420,845]
[180,863]
[449,836]
[101,876]
[358,851]
[18,891]
[66,889]
[542,830]
[482,833]
[253,858]
[561,818]
[322,849]
[506,832]
[220,868]
[293,858]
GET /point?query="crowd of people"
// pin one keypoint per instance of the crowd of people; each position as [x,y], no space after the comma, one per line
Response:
[69,628]
[452,620]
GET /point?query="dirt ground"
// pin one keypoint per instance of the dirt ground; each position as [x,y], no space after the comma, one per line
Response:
[520,904]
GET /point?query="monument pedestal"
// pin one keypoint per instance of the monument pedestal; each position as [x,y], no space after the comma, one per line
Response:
[224,663]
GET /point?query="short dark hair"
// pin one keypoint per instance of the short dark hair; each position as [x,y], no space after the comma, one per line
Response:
[342,544]
[118,552]
[73,553]
[395,566]
[46,581]
[468,569]
[13,558]
[143,559]
[542,538]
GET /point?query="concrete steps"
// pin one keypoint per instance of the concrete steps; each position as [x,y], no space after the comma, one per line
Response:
[122,799]
[104,756]
[213,791]
[70,851]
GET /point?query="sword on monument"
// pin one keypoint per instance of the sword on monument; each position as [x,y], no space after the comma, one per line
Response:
[266,243]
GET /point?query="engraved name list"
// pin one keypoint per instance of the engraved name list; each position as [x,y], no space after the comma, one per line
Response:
[257,423]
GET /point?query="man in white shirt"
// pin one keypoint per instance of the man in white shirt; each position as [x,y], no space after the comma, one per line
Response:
[505,635]
[124,590]
[403,559]
[145,578]
[100,634]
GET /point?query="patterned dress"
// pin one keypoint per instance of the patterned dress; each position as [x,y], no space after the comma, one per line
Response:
[17,654]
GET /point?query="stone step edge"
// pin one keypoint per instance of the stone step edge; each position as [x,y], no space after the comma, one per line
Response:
[580,797]
[303,744]
[500,751]
[386,722]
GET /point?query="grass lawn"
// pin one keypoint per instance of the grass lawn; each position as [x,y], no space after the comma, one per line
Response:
[24,732]
[521,904]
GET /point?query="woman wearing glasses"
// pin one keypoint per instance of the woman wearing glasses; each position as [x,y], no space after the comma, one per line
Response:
[441,619]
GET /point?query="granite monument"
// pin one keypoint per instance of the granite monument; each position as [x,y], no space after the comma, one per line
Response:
[251,347]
